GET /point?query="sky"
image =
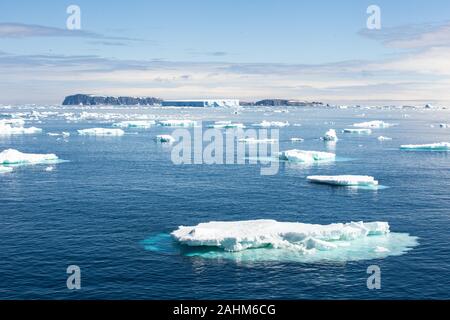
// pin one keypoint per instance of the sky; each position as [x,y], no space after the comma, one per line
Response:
[246,49]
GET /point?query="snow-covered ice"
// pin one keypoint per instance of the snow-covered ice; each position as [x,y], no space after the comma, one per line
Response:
[440,146]
[344,180]
[226,125]
[381,138]
[295,155]
[268,124]
[5,169]
[376,124]
[297,139]
[12,157]
[257,141]
[178,123]
[330,135]
[141,124]
[16,126]
[101,132]
[358,131]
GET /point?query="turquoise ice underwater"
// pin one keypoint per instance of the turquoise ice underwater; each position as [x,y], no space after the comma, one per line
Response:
[111,206]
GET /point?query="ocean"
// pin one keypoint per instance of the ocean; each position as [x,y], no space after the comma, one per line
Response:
[110,207]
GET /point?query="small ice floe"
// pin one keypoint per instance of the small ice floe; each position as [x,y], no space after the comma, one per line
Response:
[53,134]
[164,138]
[376,124]
[269,124]
[306,156]
[49,169]
[101,132]
[297,139]
[16,127]
[381,138]
[297,124]
[178,123]
[258,141]
[65,134]
[440,146]
[226,125]
[330,135]
[5,169]
[444,125]
[13,157]
[344,180]
[380,249]
[139,124]
[357,131]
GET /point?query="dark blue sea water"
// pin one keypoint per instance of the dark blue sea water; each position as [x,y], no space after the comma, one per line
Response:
[97,210]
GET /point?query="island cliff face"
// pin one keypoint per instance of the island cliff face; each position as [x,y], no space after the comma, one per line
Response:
[86,99]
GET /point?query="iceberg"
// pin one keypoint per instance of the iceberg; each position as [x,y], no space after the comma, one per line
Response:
[376,124]
[101,132]
[140,124]
[268,124]
[444,125]
[178,123]
[440,146]
[165,138]
[14,157]
[330,135]
[295,155]
[344,180]
[256,141]
[358,131]
[15,126]
[381,138]
[5,169]
[270,240]
[297,139]
[226,125]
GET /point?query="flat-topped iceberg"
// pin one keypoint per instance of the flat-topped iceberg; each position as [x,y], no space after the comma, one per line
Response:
[344,180]
[250,234]
[140,124]
[178,123]
[5,169]
[268,124]
[270,240]
[376,124]
[15,127]
[357,131]
[164,138]
[330,135]
[440,146]
[295,155]
[13,157]
[101,132]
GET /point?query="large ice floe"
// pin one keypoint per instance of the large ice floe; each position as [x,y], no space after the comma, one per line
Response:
[270,240]
[376,124]
[178,123]
[16,126]
[139,124]
[440,146]
[357,131]
[296,155]
[15,157]
[345,180]
[101,132]
[330,135]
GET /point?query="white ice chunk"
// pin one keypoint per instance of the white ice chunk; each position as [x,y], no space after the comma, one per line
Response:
[257,141]
[141,124]
[358,131]
[241,235]
[330,135]
[14,127]
[226,125]
[376,124]
[381,138]
[101,132]
[297,139]
[5,169]
[306,156]
[344,180]
[440,146]
[12,156]
[178,123]
[165,138]
[444,125]
[268,124]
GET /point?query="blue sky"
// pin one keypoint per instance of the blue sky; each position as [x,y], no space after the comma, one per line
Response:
[312,50]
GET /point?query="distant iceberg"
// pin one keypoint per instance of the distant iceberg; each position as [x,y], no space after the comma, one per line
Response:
[16,127]
[165,138]
[295,155]
[381,138]
[440,146]
[330,135]
[178,123]
[258,141]
[101,132]
[297,139]
[344,180]
[141,124]
[13,157]
[358,131]
[376,124]
[268,124]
